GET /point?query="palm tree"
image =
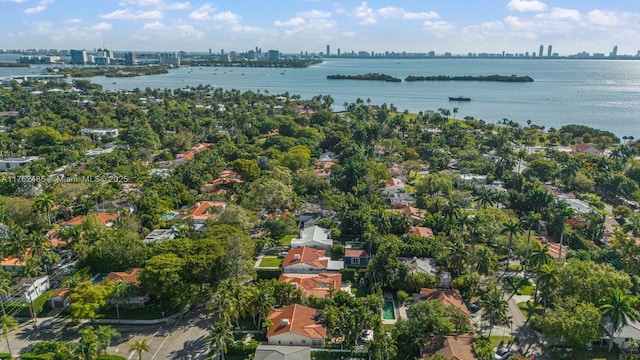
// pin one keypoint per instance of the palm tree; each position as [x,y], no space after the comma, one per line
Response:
[529,222]
[7,323]
[617,309]
[494,307]
[262,301]
[512,228]
[486,261]
[547,279]
[457,255]
[223,306]
[219,336]
[485,197]
[5,289]
[139,347]
[563,212]
[45,202]
[633,225]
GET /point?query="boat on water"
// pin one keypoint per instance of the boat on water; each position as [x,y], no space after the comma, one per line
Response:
[459,98]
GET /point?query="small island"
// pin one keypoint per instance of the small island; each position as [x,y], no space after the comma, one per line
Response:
[262,63]
[12,65]
[498,78]
[368,76]
[129,71]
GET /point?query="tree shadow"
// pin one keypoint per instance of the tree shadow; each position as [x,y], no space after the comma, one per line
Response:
[196,348]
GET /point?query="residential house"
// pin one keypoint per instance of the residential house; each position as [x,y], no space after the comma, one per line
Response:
[106,219]
[13,264]
[327,156]
[159,235]
[356,258]
[60,299]
[421,231]
[309,260]
[191,153]
[130,276]
[457,347]
[29,289]
[554,247]
[626,335]
[295,325]
[426,266]
[323,168]
[10,163]
[416,215]
[447,296]
[585,149]
[402,199]
[203,211]
[393,186]
[99,133]
[315,237]
[318,285]
[279,352]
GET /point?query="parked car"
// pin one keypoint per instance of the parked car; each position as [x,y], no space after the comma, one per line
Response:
[282,255]
[502,353]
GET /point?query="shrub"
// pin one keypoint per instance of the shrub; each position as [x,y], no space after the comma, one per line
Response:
[31,356]
[266,274]
[111,357]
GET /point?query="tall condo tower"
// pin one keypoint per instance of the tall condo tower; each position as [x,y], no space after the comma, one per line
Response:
[549,50]
[541,51]
[328,51]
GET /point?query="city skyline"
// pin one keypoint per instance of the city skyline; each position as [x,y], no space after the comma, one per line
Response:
[291,26]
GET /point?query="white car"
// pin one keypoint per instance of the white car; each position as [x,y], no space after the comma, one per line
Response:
[502,353]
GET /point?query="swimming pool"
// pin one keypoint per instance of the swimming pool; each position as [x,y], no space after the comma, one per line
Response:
[388,312]
[98,278]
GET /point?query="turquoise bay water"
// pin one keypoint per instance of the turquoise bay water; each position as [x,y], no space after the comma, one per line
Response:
[602,94]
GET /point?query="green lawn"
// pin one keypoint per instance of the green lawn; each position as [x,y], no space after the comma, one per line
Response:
[144,313]
[526,290]
[286,240]
[359,292]
[525,309]
[270,262]
[497,340]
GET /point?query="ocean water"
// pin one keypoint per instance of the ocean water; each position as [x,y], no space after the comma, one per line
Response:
[601,93]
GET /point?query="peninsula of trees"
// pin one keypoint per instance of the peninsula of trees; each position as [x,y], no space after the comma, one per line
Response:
[368,76]
[13,65]
[129,71]
[497,78]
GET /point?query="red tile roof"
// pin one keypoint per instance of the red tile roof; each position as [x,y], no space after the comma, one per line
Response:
[305,255]
[447,296]
[296,319]
[422,231]
[554,247]
[452,347]
[12,261]
[317,285]
[414,213]
[355,253]
[104,218]
[130,276]
[199,211]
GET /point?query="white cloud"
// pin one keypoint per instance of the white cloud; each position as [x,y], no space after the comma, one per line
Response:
[73,21]
[557,13]
[527,5]
[128,14]
[365,14]
[14,1]
[603,18]
[158,4]
[42,6]
[438,26]
[101,27]
[314,14]
[296,21]
[202,13]
[227,17]
[156,25]
[400,13]
[178,6]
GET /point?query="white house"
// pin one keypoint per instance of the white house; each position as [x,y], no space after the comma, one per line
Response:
[315,237]
[295,325]
[10,163]
[280,352]
[624,336]
[99,133]
[393,186]
[29,289]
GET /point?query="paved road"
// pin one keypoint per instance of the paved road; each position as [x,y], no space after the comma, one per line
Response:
[181,339]
[528,341]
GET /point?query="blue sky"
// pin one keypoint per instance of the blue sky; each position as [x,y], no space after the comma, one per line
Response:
[457,26]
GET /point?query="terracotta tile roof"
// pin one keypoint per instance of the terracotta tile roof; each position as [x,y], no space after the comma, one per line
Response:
[130,276]
[52,235]
[447,296]
[199,211]
[414,213]
[554,247]
[582,147]
[422,231]
[306,255]
[62,292]
[355,253]
[12,261]
[395,182]
[296,319]
[451,347]
[104,218]
[191,153]
[316,285]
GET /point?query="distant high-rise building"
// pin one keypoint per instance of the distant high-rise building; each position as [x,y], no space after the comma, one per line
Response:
[339,52]
[541,51]
[549,51]
[169,59]
[130,58]
[78,57]
[273,54]
[614,52]
[221,52]
[328,51]
[209,51]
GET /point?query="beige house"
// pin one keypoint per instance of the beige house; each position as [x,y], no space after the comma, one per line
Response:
[295,325]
